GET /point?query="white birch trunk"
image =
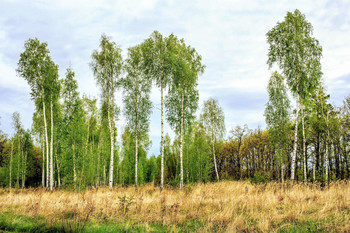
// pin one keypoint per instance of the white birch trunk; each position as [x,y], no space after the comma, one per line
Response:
[327,150]
[304,143]
[19,160]
[136,142]
[111,131]
[51,148]
[11,159]
[181,141]
[43,168]
[162,140]
[58,170]
[294,156]
[213,148]
[22,168]
[74,168]
[136,151]
[46,145]
[327,157]
[98,169]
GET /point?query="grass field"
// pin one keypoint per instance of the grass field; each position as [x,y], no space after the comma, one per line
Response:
[215,207]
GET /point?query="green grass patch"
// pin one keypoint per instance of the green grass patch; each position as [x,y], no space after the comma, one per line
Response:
[305,226]
[11,223]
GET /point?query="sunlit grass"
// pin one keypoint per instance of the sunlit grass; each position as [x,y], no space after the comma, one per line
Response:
[224,206]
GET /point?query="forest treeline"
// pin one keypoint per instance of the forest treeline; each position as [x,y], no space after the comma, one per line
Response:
[72,141]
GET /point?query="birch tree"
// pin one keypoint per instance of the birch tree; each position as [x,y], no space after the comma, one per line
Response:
[182,100]
[158,67]
[297,54]
[18,138]
[73,120]
[36,67]
[53,87]
[38,129]
[136,98]
[277,116]
[107,67]
[213,120]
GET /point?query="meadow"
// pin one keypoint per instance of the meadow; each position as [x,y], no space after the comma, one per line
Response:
[227,206]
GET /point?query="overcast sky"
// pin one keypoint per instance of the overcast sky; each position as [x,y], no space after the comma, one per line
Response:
[229,35]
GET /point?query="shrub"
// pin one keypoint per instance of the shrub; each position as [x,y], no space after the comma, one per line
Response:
[258,178]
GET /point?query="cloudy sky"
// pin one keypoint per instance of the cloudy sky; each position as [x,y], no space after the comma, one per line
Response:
[230,36]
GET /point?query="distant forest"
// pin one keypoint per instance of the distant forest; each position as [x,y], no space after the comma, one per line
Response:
[72,141]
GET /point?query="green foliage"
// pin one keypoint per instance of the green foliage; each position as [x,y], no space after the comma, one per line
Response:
[84,135]
[296,52]
[107,67]
[73,131]
[186,67]
[136,95]
[152,169]
[137,88]
[157,58]
[198,162]
[127,165]
[258,178]
[277,115]
[213,118]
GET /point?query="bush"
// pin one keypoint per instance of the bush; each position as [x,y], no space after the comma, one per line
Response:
[258,178]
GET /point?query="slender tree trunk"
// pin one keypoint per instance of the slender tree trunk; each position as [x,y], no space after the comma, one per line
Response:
[136,142]
[43,157]
[162,139]
[294,156]
[51,148]
[98,167]
[104,173]
[46,145]
[111,131]
[11,159]
[317,152]
[327,157]
[282,173]
[58,170]
[314,170]
[85,154]
[216,167]
[19,160]
[341,174]
[136,151]
[24,169]
[74,167]
[181,140]
[304,143]
[213,148]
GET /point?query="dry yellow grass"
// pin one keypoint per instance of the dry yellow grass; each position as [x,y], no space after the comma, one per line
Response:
[228,206]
